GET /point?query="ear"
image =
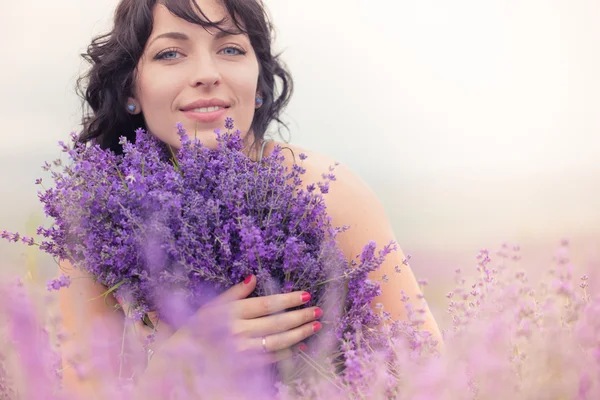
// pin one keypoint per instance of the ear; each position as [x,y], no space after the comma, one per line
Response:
[133,106]
[258,100]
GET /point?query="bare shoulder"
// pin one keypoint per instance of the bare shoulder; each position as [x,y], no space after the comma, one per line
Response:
[314,160]
[348,186]
[316,164]
[350,201]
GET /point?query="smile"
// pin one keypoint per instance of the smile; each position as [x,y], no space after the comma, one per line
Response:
[206,114]
[207,109]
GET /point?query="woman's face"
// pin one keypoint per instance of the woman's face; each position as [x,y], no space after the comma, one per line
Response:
[183,64]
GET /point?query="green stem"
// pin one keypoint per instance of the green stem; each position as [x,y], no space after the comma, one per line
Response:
[109,291]
[318,368]
[122,355]
[174,160]
[121,177]
[331,280]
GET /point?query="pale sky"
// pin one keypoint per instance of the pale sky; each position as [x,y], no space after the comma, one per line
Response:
[472,120]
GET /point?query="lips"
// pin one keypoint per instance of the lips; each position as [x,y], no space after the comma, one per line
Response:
[206,110]
[206,117]
[202,103]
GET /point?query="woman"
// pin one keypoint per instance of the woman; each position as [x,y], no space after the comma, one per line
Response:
[165,62]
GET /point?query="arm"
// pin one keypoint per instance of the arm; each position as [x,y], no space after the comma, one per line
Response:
[84,319]
[351,202]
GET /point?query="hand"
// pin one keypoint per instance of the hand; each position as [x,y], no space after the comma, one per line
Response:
[251,322]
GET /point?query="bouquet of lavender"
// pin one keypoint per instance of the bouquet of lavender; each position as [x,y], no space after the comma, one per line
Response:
[153,222]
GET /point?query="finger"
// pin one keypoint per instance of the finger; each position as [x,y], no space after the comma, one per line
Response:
[277,323]
[282,355]
[267,305]
[237,292]
[281,341]
[221,308]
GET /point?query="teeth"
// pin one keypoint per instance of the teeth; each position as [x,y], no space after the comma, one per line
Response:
[206,109]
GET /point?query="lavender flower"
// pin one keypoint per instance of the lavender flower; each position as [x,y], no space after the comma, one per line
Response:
[154,223]
[56,284]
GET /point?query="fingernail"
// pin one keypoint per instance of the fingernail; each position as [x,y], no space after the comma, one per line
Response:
[248,279]
[303,347]
[318,312]
[317,327]
[305,297]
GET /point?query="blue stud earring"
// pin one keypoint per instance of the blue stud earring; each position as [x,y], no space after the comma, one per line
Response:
[259,101]
[131,107]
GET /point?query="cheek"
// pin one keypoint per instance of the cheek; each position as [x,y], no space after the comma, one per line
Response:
[243,83]
[156,91]
[243,80]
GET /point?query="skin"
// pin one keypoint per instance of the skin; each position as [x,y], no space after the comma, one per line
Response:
[173,73]
[204,67]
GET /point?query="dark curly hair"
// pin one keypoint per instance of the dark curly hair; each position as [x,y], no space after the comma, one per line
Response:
[114,56]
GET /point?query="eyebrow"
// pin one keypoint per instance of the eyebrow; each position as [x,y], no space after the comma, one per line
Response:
[183,36]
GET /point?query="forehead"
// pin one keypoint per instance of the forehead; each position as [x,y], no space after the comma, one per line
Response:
[172,12]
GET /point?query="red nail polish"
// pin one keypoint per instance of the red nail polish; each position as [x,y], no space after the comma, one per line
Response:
[303,347]
[317,327]
[318,312]
[248,279]
[305,297]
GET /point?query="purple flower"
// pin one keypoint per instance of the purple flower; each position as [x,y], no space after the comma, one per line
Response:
[56,284]
[154,224]
[229,123]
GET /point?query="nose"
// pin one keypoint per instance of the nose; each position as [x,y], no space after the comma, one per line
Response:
[206,73]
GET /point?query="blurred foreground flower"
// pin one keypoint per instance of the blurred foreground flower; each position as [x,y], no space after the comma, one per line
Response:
[511,338]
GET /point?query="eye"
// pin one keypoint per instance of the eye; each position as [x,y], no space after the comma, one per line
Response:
[169,54]
[233,51]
